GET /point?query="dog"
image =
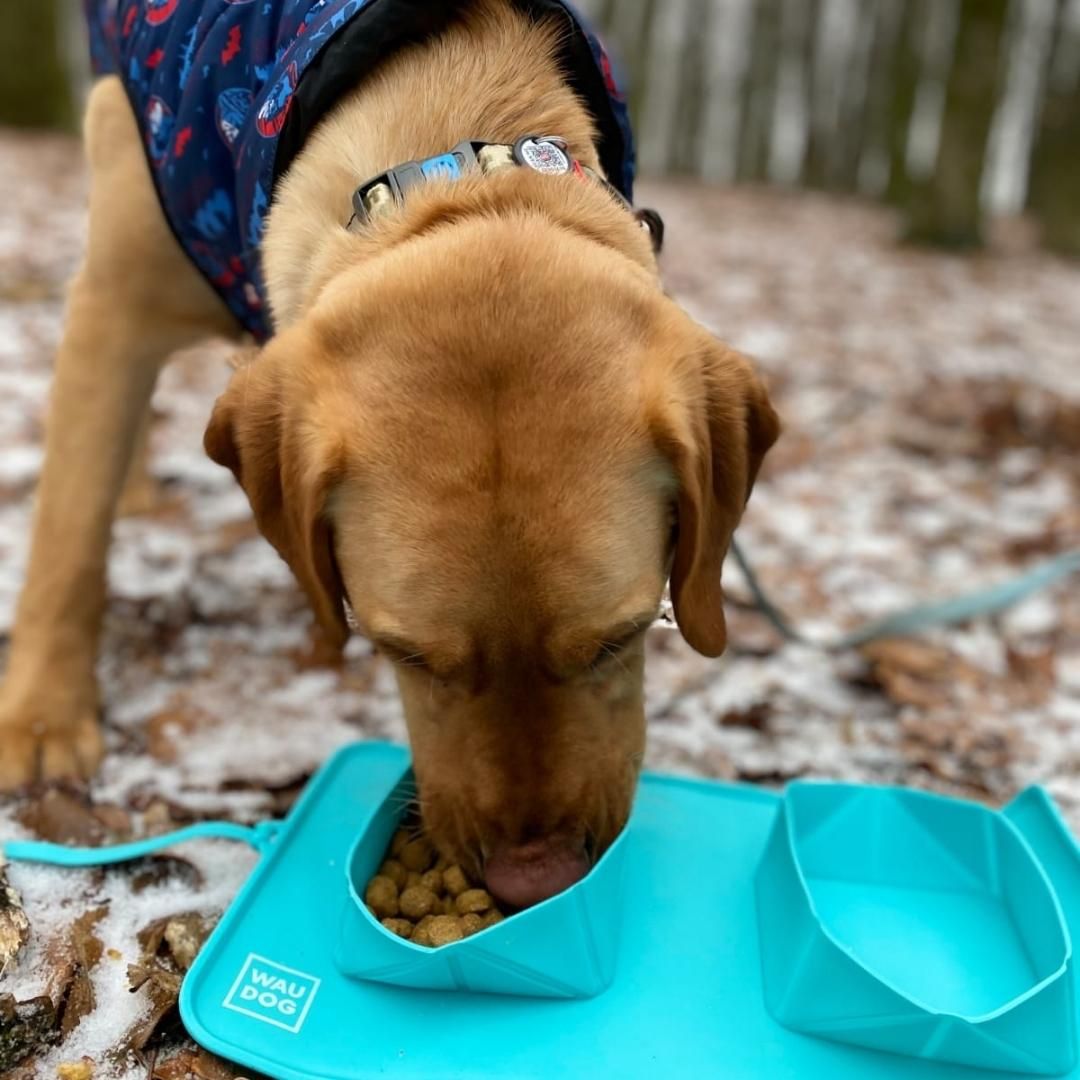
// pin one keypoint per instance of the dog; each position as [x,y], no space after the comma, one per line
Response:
[472,422]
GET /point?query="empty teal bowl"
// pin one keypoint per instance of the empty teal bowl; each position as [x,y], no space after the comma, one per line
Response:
[562,948]
[917,925]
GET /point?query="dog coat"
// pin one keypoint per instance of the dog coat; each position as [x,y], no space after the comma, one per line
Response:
[226,91]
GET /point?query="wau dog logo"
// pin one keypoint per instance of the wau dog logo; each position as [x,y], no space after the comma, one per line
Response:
[272,993]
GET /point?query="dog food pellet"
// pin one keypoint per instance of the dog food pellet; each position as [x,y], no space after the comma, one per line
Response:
[417,855]
[473,902]
[382,897]
[471,924]
[396,873]
[417,902]
[445,929]
[421,897]
[454,880]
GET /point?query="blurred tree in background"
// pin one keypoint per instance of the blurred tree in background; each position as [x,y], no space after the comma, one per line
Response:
[953,111]
[945,207]
[1054,194]
[35,79]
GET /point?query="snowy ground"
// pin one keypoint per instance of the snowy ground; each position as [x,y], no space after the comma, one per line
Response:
[932,407]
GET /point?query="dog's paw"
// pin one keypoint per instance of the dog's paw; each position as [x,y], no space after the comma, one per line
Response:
[43,743]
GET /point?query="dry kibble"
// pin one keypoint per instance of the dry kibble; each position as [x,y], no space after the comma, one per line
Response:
[454,880]
[444,929]
[424,899]
[471,924]
[417,902]
[417,854]
[395,872]
[473,901]
[382,897]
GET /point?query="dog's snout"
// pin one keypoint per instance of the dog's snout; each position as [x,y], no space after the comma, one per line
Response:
[521,875]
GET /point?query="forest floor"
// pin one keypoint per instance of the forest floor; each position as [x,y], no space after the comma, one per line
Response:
[932,445]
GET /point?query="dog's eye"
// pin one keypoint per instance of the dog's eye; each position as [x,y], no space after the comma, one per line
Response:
[609,650]
[402,655]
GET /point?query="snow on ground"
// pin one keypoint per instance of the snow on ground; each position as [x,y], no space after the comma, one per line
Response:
[932,445]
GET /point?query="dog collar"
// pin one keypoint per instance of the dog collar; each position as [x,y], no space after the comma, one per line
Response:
[548,154]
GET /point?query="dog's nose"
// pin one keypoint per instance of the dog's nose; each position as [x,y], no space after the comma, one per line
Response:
[521,875]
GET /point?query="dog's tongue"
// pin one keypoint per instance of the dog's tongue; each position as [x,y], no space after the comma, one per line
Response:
[526,874]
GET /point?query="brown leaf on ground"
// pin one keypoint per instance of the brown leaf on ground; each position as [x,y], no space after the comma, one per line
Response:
[918,673]
[163,728]
[185,936]
[14,925]
[175,939]
[115,819]
[754,716]
[61,818]
[162,991]
[961,750]
[157,870]
[196,1064]
[26,1027]
[85,952]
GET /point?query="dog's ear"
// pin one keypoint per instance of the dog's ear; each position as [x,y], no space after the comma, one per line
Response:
[288,467]
[712,419]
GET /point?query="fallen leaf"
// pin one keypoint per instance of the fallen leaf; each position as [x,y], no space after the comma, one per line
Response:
[196,1063]
[185,936]
[162,991]
[14,925]
[163,728]
[115,819]
[61,818]
[86,951]
[26,1027]
[754,716]
[158,870]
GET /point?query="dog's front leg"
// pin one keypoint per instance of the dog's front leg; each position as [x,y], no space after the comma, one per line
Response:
[135,300]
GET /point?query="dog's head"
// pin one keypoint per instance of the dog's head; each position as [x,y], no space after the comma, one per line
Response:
[498,448]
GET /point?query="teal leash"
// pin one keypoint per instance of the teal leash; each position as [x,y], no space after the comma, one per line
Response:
[260,837]
[958,609]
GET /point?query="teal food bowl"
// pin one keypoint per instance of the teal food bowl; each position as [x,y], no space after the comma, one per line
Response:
[562,948]
[914,924]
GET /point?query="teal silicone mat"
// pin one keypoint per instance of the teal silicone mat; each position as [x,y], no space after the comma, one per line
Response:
[686,999]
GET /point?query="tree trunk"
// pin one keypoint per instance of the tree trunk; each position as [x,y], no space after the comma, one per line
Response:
[872,167]
[854,102]
[1054,192]
[905,66]
[944,209]
[687,148]
[35,84]
[759,96]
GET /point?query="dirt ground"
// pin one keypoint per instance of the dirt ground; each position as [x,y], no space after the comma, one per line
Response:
[932,445]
